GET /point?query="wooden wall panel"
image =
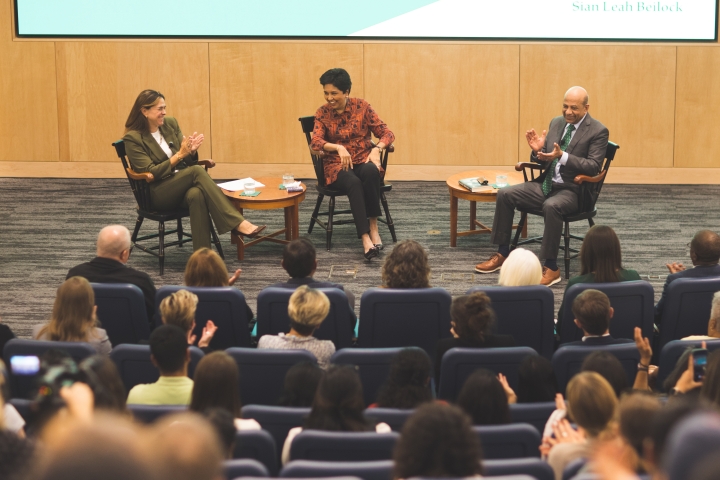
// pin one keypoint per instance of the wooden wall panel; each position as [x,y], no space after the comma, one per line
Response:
[632,92]
[446,104]
[698,103]
[259,90]
[99,81]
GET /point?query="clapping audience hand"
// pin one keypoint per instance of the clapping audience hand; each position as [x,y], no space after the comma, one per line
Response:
[512,398]
[675,267]
[207,334]
[234,277]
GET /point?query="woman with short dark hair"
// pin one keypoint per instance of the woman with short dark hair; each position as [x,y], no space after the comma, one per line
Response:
[485,398]
[408,383]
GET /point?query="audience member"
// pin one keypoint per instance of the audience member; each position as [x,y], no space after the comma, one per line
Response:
[694,439]
[704,255]
[536,380]
[592,313]
[609,367]
[224,424]
[654,445]
[710,389]
[110,265]
[646,373]
[5,335]
[73,317]
[408,383]
[437,441]
[170,354]
[338,406]
[521,268]
[16,452]
[713,325]
[217,385]
[472,321]
[307,310]
[107,386]
[686,383]
[407,266]
[485,398]
[636,413]
[681,366]
[301,383]
[179,309]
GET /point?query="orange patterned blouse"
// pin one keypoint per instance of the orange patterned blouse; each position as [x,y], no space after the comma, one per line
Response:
[351,129]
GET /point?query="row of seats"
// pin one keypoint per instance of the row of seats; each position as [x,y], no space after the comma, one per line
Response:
[419,317]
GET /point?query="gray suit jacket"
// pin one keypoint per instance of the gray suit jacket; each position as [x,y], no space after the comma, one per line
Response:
[585,152]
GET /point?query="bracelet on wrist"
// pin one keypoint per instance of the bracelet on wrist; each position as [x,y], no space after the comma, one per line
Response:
[643,368]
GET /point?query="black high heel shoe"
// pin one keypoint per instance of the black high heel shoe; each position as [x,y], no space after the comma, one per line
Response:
[252,234]
[372,253]
[379,246]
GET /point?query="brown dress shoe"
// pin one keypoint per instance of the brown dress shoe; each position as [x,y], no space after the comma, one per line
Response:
[550,277]
[491,265]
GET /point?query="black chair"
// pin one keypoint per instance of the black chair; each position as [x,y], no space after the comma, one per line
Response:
[515,440]
[343,446]
[687,308]
[323,190]
[244,467]
[535,467]
[394,417]
[368,470]
[526,313]
[258,445]
[566,361]
[673,350]
[121,311]
[135,367]
[149,413]
[272,315]
[589,192]
[278,421]
[139,183]
[536,414]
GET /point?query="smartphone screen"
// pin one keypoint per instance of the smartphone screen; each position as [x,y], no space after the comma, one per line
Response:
[699,363]
[24,364]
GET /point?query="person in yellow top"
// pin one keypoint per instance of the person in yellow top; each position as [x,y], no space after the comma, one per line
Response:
[155,144]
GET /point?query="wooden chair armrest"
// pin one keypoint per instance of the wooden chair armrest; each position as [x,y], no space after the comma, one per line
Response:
[317,153]
[523,165]
[390,148]
[580,179]
[147,176]
[207,163]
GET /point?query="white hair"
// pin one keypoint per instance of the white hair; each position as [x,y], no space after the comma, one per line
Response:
[112,241]
[522,267]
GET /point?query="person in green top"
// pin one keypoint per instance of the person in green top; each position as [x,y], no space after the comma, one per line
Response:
[600,262]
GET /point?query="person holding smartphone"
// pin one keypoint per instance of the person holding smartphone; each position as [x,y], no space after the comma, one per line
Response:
[693,377]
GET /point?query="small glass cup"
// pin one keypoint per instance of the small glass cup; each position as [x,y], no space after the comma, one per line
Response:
[501,181]
[249,188]
[288,179]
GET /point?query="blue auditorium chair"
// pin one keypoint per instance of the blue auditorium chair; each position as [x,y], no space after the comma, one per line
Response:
[673,350]
[367,470]
[373,367]
[272,315]
[459,363]
[150,413]
[24,386]
[225,306]
[278,421]
[527,313]
[514,440]
[686,308]
[136,367]
[343,446]
[633,303]
[394,417]
[258,445]
[262,372]
[244,467]
[534,467]
[404,317]
[536,414]
[566,361]
[121,311]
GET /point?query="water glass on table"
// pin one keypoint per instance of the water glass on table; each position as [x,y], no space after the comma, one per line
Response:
[288,179]
[249,188]
[501,181]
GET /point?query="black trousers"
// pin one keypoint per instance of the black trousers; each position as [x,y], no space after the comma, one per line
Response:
[362,187]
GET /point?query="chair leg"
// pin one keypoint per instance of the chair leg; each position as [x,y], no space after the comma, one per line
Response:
[216,241]
[313,218]
[521,224]
[329,231]
[390,223]
[567,250]
[136,231]
[591,222]
[161,246]
[179,232]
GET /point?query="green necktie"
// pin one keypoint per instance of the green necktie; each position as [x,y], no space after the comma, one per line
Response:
[547,182]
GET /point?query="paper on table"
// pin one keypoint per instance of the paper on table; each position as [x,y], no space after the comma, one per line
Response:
[237,185]
[293,184]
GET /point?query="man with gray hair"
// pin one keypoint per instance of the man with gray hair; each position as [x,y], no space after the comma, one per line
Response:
[109,266]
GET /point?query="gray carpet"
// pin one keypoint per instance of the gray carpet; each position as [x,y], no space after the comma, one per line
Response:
[50,225]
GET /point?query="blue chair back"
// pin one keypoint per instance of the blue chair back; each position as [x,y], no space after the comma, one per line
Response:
[567,360]
[258,445]
[272,315]
[394,417]
[276,420]
[686,310]
[25,386]
[535,467]
[373,367]
[135,367]
[514,440]
[225,306]
[367,470]
[526,313]
[149,413]
[262,372]
[343,446]
[536,414]
[459,363]
[244,467]
[633,303]
[121,311]
[673,350]
[412,317]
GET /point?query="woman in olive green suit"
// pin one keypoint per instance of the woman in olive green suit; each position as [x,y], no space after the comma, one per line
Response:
[155,144]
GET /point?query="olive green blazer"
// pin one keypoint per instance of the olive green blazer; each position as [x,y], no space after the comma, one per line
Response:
[145,154]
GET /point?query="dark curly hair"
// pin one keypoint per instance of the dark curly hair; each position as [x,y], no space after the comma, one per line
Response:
[484,399]
[407,266]
[472,316]
[338,403]
[438,441]
[408,383]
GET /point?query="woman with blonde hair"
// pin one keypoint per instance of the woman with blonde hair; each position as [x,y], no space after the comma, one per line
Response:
[74,317]
[521,268]
[307,309]
[407,266]
[179,309]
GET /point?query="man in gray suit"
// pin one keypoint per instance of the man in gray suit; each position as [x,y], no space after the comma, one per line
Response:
[574,144]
